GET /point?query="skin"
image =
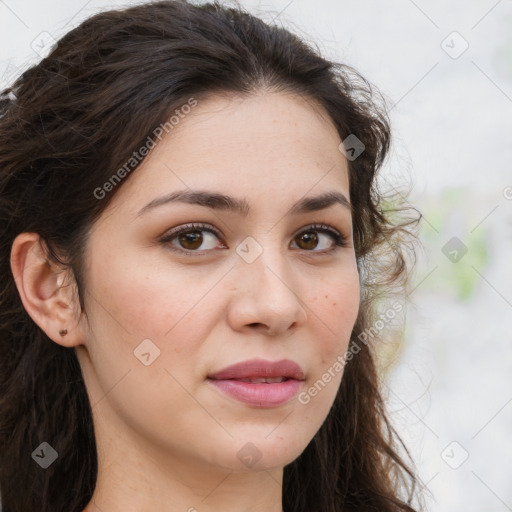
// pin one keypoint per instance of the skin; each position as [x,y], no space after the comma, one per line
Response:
[167,439]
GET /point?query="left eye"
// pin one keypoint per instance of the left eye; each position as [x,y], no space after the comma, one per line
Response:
[190,238]
[312,239]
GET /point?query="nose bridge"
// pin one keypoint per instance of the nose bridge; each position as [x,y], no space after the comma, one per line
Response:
[266,263]
[271,276]
[267,291]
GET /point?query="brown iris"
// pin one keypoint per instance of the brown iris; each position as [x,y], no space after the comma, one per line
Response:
[310,238]
[191,237]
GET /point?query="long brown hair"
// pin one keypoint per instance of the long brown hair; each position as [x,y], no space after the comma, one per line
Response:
[66,125]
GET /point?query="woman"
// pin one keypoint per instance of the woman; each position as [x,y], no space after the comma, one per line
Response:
[191,257]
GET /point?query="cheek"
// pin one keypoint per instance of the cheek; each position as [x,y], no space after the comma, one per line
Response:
[149,301]
[333,311]
[140,303]
[334,308]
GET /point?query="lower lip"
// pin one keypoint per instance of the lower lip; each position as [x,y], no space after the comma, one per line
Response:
[259,395]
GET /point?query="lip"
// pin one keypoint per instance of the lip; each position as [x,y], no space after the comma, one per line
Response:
[260,394]
[260,368]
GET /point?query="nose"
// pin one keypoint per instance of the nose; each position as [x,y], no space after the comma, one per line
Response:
[265,297]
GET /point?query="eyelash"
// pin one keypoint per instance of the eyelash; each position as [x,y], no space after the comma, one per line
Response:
[339,239]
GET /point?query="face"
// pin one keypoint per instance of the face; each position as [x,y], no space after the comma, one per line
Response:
[179,290]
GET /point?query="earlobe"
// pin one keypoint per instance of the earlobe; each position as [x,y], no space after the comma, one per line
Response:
[45,295]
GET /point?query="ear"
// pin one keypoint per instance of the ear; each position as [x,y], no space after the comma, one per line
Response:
[47,291]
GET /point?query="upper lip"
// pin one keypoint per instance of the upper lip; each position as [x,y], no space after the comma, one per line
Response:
[255,368]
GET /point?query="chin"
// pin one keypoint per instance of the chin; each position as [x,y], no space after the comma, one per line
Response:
[266,450]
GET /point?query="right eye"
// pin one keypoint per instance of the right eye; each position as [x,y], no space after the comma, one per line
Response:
[189,238]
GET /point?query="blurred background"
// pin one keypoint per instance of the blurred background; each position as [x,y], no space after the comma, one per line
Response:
[445,69]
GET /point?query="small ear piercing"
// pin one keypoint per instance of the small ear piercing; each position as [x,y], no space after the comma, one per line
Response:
[63,332]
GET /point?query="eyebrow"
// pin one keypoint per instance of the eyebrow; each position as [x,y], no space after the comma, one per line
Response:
[217,201]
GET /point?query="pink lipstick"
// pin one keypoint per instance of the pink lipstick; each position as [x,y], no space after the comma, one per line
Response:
[260,383]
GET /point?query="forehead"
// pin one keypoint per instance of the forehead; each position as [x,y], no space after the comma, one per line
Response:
[266,143]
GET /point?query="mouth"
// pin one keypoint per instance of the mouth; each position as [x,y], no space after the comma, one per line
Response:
[264,380]
[260,383]
[260,369]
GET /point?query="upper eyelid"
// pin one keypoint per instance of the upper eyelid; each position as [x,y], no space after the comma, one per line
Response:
[191,226]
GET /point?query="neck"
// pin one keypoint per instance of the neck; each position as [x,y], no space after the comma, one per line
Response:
[134,475]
